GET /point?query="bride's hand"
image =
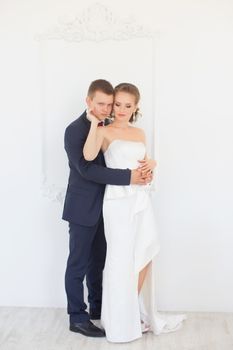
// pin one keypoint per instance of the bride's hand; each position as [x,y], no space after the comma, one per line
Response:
[147,165]
[92,117]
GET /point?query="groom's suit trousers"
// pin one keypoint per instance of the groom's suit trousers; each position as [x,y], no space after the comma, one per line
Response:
[87,247]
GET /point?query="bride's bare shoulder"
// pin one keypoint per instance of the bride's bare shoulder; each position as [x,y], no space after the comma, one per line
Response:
[139,132]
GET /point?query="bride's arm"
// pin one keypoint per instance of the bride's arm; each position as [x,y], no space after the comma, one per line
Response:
[147,164]
[94,140]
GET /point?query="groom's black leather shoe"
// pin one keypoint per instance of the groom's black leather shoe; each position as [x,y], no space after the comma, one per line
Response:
[87,328]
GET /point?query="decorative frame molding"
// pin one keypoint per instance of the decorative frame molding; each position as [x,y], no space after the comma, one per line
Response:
[95,24]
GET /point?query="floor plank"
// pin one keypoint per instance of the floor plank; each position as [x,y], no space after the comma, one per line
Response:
[47,329]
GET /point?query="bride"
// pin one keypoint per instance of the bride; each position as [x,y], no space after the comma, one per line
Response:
[128,300]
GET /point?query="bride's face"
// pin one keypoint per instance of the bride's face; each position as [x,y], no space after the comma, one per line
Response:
[124,106]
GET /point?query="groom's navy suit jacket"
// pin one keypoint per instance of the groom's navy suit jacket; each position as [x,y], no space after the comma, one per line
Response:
[87,179]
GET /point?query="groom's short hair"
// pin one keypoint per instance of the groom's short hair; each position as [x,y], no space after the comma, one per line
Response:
[100,85]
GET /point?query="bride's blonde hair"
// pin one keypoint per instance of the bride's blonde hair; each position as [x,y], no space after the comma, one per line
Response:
[133,90]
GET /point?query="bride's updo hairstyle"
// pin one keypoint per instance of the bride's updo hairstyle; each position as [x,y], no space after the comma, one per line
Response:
[132,90]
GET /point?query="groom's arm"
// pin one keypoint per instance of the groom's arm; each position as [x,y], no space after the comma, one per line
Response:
[89,170]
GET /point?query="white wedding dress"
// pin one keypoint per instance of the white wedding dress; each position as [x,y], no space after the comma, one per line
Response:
[132,242]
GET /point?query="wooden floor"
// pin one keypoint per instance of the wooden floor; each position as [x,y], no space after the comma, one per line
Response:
[47,329]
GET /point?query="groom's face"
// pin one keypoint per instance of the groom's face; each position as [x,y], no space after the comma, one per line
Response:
[100,104]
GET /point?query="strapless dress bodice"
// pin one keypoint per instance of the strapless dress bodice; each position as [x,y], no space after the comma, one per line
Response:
[123,154]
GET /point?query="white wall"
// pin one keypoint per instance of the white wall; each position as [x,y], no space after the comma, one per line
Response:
[193,116]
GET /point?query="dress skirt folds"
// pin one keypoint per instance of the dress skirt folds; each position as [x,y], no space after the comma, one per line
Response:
[132,243]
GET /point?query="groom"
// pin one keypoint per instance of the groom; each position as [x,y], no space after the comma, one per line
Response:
[83,211]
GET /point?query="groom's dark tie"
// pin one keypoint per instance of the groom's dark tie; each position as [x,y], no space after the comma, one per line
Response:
[101,123]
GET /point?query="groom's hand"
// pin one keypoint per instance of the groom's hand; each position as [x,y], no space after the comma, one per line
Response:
[137,178]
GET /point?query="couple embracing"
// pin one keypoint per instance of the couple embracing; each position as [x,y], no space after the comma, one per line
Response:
[113,240]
